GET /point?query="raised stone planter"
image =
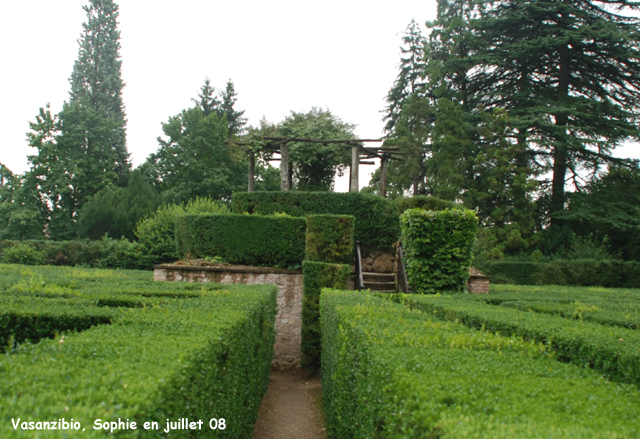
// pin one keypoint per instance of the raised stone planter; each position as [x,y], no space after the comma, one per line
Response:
[289,282]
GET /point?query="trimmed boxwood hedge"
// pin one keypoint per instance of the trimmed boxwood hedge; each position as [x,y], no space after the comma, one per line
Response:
[329,238]
[377,225]
[317,275]
[396,373]
[437,248]
[196,351]
[242,239]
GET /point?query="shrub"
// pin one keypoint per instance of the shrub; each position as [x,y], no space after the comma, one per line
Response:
[376,219]
[437,248]
[157,231]
[317,275]
[23,253]
[329,238]
[242,239]
[612,351]
[196,351]
[391,372]
[423,202]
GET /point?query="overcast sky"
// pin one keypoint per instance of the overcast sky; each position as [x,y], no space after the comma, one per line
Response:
[281,55]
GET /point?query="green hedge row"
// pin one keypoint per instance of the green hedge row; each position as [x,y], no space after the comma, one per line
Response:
[611,274]
[242,239]
[194,351]
[391,372]
[612,351]
[105,253]
[437,248]
[329,238]
[317,275]
[613,307]
[376,219]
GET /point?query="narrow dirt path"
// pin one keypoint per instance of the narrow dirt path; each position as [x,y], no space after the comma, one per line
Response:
[292,408]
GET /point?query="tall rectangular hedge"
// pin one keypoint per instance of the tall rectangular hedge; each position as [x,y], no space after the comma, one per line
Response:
[437,247]
[242,239]
[376,226]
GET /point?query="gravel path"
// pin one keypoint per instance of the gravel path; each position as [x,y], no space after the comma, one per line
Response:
[292,408]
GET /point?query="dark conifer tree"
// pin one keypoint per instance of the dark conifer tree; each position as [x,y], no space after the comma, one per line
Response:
[96,80]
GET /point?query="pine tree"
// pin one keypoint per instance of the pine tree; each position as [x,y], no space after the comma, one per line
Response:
[568,72]
[235,120]
[207,101]
[96,80]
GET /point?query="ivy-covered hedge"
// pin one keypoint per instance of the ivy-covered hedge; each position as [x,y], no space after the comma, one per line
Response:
[317,275]
[376,219]
[275,241]
[196,351]
[437,248]
[391,372]
[329,238]
[610,274]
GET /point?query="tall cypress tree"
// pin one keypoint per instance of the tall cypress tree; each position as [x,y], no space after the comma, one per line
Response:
[96,80]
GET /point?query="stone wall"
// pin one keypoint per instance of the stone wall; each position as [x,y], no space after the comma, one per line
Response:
[289,316]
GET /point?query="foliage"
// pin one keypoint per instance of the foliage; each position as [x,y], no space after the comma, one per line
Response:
[96,80]
[609,350]
[241,239]
[424,202]
[388,371]
[315,164]
[115,211]
[609,209]
[316,276]
[194,161]
[23,253]
[376,225]
[127,347]
[329,238]
[103,253]
[156,232]
[437,248]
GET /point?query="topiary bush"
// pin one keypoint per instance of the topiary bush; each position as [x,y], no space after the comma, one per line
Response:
[329,238]
[242,239]
[376,219]
[437,247]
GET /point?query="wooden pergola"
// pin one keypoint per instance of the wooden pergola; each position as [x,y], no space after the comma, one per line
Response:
[359,156]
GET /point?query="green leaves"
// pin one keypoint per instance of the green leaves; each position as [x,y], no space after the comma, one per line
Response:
[437,248]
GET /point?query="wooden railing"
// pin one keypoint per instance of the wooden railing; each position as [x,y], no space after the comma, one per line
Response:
[403,280]
[359,281]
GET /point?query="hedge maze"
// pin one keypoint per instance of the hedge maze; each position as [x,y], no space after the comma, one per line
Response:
[394,372]
[94,344]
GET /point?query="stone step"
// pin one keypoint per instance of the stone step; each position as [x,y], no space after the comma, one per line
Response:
[378,277]
[380,286]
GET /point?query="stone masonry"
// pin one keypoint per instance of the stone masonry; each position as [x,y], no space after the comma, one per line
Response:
[288,324]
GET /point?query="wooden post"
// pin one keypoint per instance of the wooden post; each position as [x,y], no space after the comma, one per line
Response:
[252,171]
[355,161]
[384,161]
[284,168]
